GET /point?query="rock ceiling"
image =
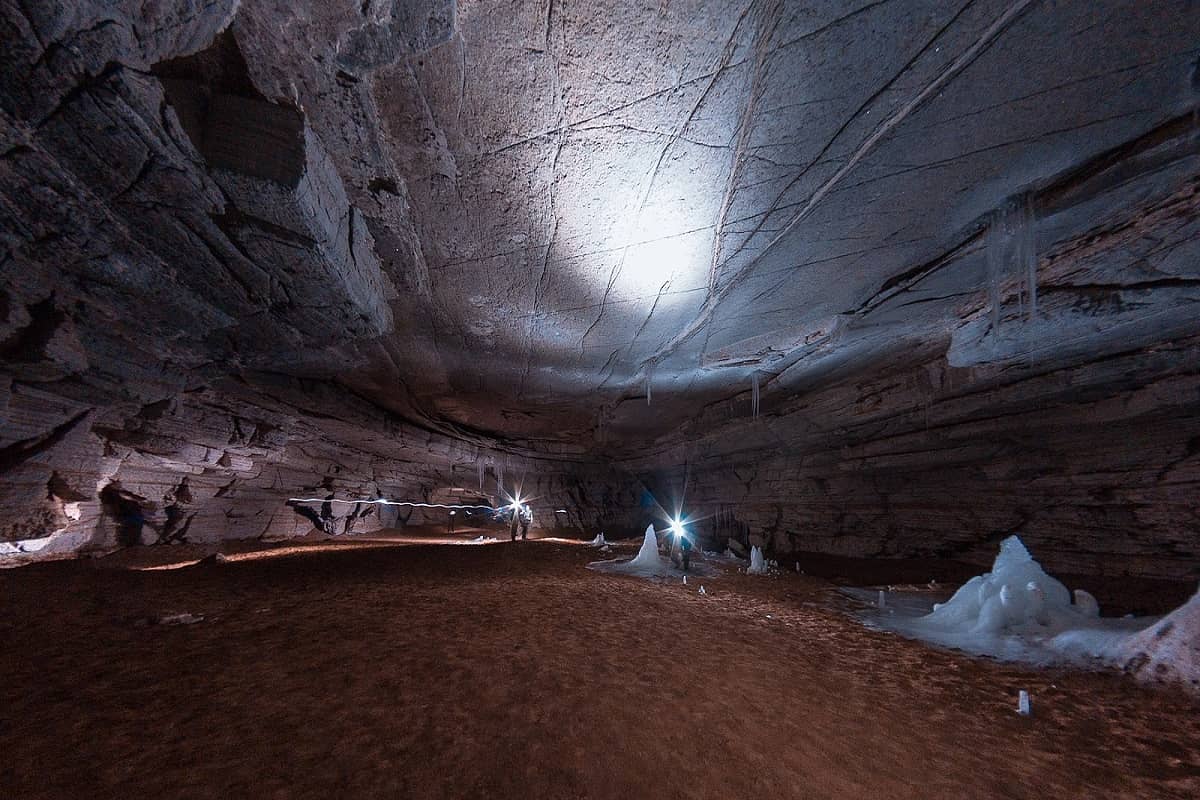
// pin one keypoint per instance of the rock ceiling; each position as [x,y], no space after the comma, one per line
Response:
[518,220]
[678,195]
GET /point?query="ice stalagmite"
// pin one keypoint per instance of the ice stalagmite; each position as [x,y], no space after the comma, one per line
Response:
[648,563]
[758,565]
[1019,612]
[648,555]
[1016,593]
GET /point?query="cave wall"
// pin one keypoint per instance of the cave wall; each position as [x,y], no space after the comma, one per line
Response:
[1076,425]
[223,462]
[1096,466]
[216,296]
[172,240]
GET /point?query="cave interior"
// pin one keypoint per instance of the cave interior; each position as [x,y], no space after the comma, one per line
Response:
[868,286]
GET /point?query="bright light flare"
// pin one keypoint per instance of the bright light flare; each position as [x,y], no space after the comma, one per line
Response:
[677,527]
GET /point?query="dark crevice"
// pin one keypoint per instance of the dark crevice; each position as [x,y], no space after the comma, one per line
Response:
[19,452]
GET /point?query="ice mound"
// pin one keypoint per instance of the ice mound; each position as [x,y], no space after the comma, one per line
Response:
[758,566]
[1020,613]
[1168,651]
[598,541]
[1016,595]
[1086,604]
[647,563]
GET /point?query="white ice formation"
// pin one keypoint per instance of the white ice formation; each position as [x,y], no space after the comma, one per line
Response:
[1018,612]
[1016,594]
[648,563]
[758,566]
[24,546]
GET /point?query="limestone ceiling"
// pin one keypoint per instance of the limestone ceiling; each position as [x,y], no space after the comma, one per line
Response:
[613,193]
[515,218]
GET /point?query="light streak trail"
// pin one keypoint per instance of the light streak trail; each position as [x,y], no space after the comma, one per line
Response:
[385,503]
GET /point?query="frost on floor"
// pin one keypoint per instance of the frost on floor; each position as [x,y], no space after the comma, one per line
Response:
[1018,612]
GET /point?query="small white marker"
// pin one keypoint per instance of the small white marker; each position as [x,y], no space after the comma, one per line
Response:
[685,580]
[1023,707]
[882,599]
[702,589]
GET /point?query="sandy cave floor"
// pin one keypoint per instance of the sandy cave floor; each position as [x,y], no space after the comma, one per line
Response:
[396,667]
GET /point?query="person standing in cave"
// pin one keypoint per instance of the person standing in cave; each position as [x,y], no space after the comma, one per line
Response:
[514,521]
[685,550]
[526,516]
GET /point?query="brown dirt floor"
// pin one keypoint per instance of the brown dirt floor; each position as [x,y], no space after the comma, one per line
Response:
[383,668]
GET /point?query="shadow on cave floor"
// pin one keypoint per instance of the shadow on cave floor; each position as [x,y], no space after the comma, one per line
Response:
[512,671]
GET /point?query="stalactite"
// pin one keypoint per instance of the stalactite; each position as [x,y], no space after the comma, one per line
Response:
[995,266]
[1011,252]
[1026,246]
[754,394]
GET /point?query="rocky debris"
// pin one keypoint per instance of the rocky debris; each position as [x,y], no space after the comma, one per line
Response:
[1168,651]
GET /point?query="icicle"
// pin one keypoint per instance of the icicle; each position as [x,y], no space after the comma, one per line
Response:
[1023,705]
[754,394]
[1012,255]
[1027,252]
[479,468]
[647,390]
[499,479]
[995,265]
